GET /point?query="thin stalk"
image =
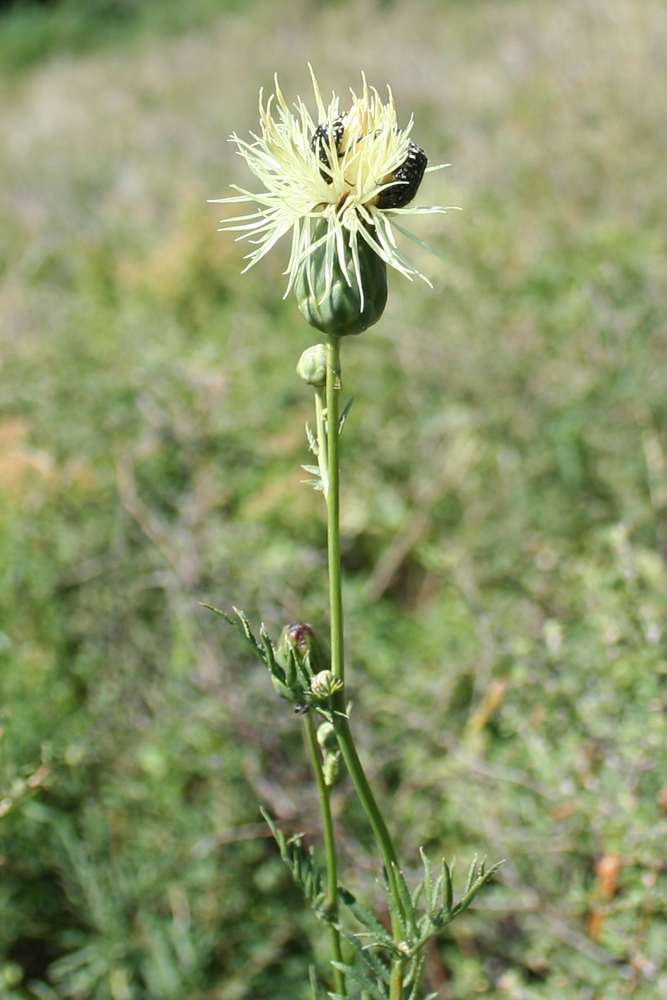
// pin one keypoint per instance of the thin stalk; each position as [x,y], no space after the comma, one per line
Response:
[333,507]
[382,835]
[341,723]
[396,982]
[330,851]
[320,421]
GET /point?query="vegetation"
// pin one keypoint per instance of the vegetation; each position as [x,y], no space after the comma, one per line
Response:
[504,543]
[31,30]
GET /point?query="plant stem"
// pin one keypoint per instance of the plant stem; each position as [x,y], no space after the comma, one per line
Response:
[382,835]
[333,507]
[329,849]
[322,456]
[396,983]
[341,723]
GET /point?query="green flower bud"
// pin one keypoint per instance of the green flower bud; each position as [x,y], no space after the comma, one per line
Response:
[312,366]
[332,303]
[324,684]
[326,737]
[331,768]
[300,649]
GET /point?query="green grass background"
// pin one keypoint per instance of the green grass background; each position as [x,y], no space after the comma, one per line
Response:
[505,489]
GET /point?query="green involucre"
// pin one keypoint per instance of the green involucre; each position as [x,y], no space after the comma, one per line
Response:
[342,309]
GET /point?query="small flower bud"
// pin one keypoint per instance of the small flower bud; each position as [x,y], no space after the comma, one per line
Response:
[336,302]
[299,645]
[331,767]
[312,366]
[326,737]
[324,685]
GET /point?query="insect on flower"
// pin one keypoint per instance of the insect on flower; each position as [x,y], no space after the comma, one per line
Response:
[405,180]
[338,184]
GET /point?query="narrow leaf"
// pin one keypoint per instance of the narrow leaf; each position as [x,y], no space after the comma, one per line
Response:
[362,981]
[448,894]
[343,416]
[290,670]
[374,962]
[472,874]
[270,658]
[363,915]
[317,991]
[414,977]
[428,881]
[377,941]
[482,880]
[349,936]
[246,627]
[416,893]
[397,914]
[302,865]
[406,901]
[312,440]
[377,965]
[243,627]
[222,614]
[277,835]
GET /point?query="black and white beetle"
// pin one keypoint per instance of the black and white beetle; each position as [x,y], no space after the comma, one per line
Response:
[408,176]
[320,143]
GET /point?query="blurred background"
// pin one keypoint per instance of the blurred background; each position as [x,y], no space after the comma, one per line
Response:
[504,498]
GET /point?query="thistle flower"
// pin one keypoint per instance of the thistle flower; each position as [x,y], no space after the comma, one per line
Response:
[337,184]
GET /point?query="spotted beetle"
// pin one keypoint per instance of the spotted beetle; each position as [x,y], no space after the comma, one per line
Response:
[409,175]
[406,178]
[320,143]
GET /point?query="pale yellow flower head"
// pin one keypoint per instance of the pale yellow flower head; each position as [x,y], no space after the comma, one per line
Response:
[336,169]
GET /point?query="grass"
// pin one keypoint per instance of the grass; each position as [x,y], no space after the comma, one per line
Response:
[34,30]
[503,508]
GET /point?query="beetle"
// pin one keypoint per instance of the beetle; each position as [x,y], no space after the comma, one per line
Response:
[405,180]
[321,143]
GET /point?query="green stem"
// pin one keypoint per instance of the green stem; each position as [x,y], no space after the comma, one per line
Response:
[322,457]
[329,849]
[333,507]
[382,835]
[396,983]
[341,723]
